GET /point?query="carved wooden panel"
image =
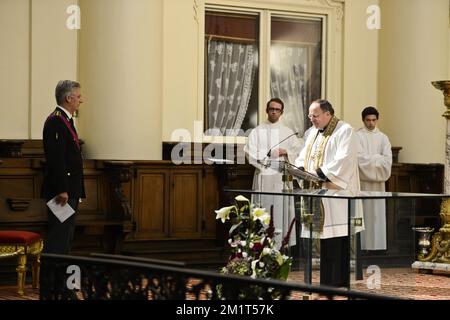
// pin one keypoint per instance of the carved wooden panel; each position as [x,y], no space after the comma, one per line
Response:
[36,212]
[403,214]
[22,208]
[186,203]
[92,203]
[151,206]
[174,202]
[17,187]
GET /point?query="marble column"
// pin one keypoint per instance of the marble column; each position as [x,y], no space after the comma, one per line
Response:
[413,47]
[121,75]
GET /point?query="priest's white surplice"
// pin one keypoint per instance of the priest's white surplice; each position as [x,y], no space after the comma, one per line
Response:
[375,162]
[340,166]
[261,140]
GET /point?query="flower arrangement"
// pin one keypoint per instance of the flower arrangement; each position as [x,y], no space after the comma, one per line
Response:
[253,251]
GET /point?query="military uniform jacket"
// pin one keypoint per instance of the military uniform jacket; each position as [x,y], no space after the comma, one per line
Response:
[64,169]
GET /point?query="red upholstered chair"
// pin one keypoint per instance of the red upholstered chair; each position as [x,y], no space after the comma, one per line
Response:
[21,244]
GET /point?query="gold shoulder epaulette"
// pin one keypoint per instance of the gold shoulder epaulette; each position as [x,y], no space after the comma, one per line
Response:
[57,113]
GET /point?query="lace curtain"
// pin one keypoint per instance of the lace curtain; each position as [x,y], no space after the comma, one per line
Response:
[231,69]
[289,76]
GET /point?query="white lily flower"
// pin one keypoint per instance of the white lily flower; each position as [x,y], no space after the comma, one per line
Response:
[243,243]
[224,213]
[241,198]
[260,214]
[265,251]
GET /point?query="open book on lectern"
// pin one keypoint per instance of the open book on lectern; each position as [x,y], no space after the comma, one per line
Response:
[297,172]
[302,174]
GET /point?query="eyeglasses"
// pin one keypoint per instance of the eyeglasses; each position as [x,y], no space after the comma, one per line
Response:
[75,96]
[274,110]
[315,116]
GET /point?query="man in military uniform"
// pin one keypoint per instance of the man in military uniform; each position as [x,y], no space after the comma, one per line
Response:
[63,178]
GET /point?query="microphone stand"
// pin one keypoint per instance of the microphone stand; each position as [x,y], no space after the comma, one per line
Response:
[266,161]
[287,183]
[286,176]
[277,144]
[287,200]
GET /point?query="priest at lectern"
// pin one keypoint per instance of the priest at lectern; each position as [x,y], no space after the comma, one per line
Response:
[330,152]
[272,142]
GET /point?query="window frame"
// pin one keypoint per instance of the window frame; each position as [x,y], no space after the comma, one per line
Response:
[331,13]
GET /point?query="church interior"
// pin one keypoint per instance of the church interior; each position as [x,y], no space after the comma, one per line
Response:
[153,118]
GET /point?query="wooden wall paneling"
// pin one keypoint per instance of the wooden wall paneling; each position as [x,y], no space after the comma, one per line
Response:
[210,202]
[94,205]
[429,178]
[400,212]
[33,149]
[151,207]
[186,202]
[18,179]
[34,215]
[20,205]
[92,209]
[17,186]
[11,148]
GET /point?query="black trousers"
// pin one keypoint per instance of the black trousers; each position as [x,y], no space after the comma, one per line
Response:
[60,234]
[334,262]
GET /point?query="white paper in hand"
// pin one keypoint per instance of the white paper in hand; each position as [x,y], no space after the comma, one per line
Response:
[61,212]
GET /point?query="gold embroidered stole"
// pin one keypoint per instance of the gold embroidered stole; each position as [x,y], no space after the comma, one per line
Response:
[314,205]
[318,155]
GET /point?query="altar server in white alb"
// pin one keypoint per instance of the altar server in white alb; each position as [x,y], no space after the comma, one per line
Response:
[375,162]
[330,152]
[269,143]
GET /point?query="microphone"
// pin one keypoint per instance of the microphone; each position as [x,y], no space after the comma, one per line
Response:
[270,150]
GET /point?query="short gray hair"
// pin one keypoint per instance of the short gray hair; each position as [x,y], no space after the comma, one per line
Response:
[63,89]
